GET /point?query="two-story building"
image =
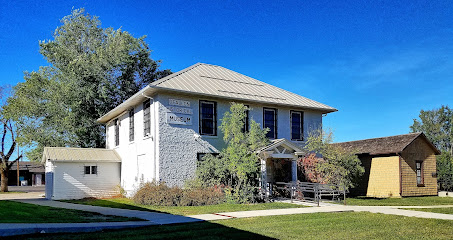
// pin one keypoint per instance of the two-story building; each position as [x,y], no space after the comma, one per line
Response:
[163,130]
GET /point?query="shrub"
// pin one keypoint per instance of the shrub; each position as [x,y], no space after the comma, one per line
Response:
[153,193]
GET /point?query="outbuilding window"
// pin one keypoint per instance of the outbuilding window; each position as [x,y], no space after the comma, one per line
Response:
[91,170]
[419,173]
[131,125]
[146,118]
[270,121]
[297,123]
[117,132]
[208,118]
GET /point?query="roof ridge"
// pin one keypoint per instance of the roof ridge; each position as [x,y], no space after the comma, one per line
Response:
[416,133]
[79,148]
[176,74]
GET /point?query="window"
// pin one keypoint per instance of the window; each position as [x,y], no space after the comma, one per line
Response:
[201,155]
[270,121]
[297,125]
[117,132]
[146,118]
[91,170]
[131,125]
[419,173]
[246,126]
[208,121]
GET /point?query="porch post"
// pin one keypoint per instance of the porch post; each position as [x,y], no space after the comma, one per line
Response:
[294,171]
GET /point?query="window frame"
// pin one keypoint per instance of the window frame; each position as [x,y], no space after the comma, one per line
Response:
[275,121]
[420,183]
[90,170]
[131,125]
[200,119]
[301,113]
[147,118]
[116,125]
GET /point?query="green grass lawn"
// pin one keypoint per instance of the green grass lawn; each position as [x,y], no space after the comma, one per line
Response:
[15,212]
[406,201]
[127,203]
[346,225]
[448,210]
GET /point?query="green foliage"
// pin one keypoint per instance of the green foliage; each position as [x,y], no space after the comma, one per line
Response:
[92,70]
[236,168]
[338,166]
[437,125]
[160,194]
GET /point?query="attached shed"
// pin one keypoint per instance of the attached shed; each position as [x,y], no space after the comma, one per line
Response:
[396,166]
[75,173]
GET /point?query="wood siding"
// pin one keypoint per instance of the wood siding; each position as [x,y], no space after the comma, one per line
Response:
[71,182]
[418,150]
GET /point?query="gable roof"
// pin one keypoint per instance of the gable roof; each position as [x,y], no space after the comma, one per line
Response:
[216,81]
[279,142]
[80,154]
[384,145]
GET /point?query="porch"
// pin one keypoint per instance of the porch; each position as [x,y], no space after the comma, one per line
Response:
[281,177]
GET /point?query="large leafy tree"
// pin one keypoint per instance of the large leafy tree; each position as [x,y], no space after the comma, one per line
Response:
[237,165]
[7,145]
[437,125]
[91,70]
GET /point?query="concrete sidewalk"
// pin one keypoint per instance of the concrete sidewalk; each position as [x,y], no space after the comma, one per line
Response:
[156,218]
[150,218]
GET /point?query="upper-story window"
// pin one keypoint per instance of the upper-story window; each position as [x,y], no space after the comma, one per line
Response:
[131,125]
[146,118]
[270,121]
[245,128]
[297,125]
[117,132]
[208,118]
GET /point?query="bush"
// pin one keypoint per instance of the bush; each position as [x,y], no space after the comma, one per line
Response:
[160,194]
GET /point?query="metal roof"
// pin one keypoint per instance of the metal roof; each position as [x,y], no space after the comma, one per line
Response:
[30,166]
[219,82]
[80,154]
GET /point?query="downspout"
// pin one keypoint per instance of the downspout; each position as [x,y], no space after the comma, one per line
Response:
[154,138]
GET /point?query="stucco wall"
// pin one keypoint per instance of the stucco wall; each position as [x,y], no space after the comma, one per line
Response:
[179,144]
[72,183]
[418,150]
[384,179]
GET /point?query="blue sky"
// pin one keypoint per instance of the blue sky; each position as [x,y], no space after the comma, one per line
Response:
[378,62]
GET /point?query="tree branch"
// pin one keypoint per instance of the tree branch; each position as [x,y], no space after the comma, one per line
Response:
[12,162]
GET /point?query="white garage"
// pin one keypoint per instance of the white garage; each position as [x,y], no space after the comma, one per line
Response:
[75,173]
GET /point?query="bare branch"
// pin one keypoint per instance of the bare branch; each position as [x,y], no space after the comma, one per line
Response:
[12,162]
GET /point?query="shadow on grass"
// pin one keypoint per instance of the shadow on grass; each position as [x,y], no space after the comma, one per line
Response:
[199,230]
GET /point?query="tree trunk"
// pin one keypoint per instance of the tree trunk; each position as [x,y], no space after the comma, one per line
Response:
[4,181]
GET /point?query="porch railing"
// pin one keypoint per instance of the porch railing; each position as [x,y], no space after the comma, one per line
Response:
[312,191]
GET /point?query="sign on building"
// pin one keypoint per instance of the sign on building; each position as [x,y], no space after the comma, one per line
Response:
[180,119]
[178,102]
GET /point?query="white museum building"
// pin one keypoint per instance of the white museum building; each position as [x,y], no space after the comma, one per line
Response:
[164,129]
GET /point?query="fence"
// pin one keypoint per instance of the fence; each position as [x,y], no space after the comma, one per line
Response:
[312,191]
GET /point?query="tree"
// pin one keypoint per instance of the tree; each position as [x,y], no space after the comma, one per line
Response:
[6,152]
[92,70]
[437,125]
[237,165]
[329,163]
